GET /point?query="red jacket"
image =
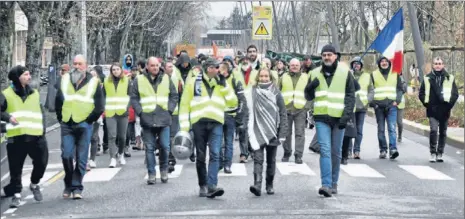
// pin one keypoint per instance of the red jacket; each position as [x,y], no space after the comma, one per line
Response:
[132,115]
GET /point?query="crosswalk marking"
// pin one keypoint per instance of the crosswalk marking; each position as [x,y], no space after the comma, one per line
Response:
[425,172]
[175,174]
[237,169]
[100,174]
[49,166]
[361,170]
[26,179]
[290,168]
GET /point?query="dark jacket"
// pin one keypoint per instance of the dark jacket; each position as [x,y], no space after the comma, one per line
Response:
[242,109]
[351,128]
[306,69]
[386,103]
[6,116]
[349,101]
[183,58]
[436,107]
[116,82]
[99,101]
[159,117]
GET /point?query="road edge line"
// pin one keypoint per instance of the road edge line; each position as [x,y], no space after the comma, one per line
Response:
[55,178]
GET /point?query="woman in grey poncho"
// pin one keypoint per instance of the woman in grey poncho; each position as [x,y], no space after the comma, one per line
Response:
[267,128]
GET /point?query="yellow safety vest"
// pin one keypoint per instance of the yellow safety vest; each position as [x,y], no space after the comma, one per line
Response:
[330,101]
[149,100]
[27,113]
[232,81]
[117,100]
[446,88]
[176,79]
[294,94]
[193,108]
[77,105]
[364,82]
[385,89]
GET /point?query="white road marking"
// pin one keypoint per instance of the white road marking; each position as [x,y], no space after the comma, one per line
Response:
[10,210]
[425,172]
[100,174]
[237,169]
[49,166]
[29,197]
[290,168]
[361,170]
[175,174]
[26,180]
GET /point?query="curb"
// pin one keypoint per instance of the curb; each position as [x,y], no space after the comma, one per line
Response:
[424,130]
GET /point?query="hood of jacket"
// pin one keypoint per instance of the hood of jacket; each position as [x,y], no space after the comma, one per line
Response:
[126,65]
[384,71]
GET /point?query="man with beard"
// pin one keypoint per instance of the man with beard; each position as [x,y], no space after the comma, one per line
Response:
[79,103]
[438,93]
[183,65]
[388,94]
[20,107]
[331,87]
[308,64]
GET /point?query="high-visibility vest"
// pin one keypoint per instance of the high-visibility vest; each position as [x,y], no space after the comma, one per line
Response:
[232,81]
[330,101]
[385,89]
[294,94]
[77,105]
[177,80]
[364,82]
[27,113]
[401,105]
[205,106]
[149,100]
[117,100]
[446,88]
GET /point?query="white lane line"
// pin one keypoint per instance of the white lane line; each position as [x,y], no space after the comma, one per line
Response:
[175,174]
[361,170]
[100,174]
[237,169]
[29,197]
[290,168]
[10,211]
[425,172]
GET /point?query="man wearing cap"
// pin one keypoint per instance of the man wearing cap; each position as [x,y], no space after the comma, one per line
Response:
[331,88]
[79,103]
[202,108]
[25,129]
[308,64]
[154,98]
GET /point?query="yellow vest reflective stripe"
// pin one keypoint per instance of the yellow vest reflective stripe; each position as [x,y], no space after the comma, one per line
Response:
[27,113]
[402,103]
[446,88]
[330,101]
[364,82]
[116,101]
[231,110]
[149,100]
[385,89]
[176,79]
[77,105]
[295,95]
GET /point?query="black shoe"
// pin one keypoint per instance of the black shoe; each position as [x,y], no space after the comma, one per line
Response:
[220,167]
[439,158]
[192,158]
[344,161]
[127,154]
[256,189]
[269,185]
[171,168]
[227,170]
[152,179]
[215,192]
[164,176]
[36,192]
[382,155]
[15,201]
[285,159]
[393,154]
[325,191]
[298,160]
[334,189]
[203,191]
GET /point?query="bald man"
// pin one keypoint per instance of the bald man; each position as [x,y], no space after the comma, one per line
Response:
[155,114]
[292,85]
[79,103]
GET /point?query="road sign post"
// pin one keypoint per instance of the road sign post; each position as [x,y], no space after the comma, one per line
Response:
[262,23]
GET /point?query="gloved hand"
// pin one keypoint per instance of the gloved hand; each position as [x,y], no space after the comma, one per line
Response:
[221,80]
[373,105]
[312,126]
[314,84]
[342,125]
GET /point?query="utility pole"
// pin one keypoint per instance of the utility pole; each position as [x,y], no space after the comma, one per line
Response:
[419,53]
[332,25]
[296,27]
[280,48]
[84,28]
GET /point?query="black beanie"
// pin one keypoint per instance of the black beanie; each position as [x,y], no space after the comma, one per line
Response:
[16,72]
[328,48]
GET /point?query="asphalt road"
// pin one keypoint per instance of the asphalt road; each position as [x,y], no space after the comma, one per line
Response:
[409,187]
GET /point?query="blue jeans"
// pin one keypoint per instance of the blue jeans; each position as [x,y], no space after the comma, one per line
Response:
[204,133]
[229,128]
[359,120]
[75,140]
[149,136]
[389,114]
[330,140]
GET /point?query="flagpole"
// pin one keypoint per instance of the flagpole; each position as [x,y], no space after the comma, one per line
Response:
[378,35]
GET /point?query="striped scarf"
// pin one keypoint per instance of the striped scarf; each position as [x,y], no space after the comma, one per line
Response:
[263,115]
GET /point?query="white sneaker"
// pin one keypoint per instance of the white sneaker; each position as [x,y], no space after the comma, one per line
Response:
[92,164]
[439,158]
[432,159]
[112,163]
[122,161]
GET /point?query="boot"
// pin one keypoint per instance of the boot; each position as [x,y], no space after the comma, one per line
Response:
[269,184]
[256,188]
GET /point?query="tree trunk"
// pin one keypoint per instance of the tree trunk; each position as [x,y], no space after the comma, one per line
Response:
[6,31]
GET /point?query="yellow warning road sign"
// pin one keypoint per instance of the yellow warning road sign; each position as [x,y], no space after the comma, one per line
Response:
[262,23]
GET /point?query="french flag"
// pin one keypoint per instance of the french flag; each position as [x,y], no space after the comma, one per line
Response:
[390,41]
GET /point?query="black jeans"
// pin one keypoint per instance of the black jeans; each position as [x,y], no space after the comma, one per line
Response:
[17,152]
[435,125]
[105,135]
[346,146]
[270,161]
